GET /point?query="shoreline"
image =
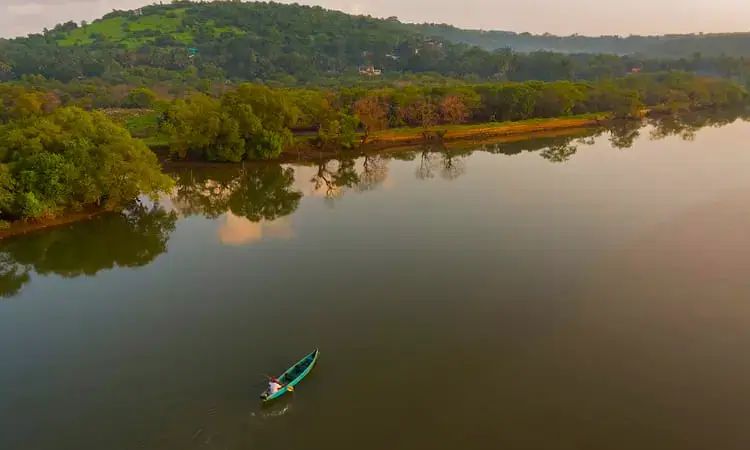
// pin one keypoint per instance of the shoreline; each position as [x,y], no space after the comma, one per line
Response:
[21,227]
[393,139]
[403,137]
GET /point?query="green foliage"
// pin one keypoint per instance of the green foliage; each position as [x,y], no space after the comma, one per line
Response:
[142,123]
[46,181]
[70,158]
[338,130]
[249,122]
[199,129]
[302,45]
[275,109]
[7,188]
[672,46]
[269,144]
[257,122]
[140,98]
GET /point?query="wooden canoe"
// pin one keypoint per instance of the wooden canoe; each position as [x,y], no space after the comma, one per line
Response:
[293,376]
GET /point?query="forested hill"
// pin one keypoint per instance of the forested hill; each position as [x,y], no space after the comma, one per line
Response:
[667,46]
[237,40]
[188,43]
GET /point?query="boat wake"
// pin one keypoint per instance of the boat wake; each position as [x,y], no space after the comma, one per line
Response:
[271,413]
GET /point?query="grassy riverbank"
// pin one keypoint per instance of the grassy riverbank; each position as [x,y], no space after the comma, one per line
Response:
[402,137]
[483,130]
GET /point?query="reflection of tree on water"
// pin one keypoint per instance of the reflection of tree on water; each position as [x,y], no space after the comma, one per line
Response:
[334,177]
[205,192]
[265,194]
[13,275]
[559,153]
[453,164]
[374,172]
[256,192]
[685,126]
[673,126]
[623,134]
[131,239]
[426,167]
[450,163]
[554,149]
[588,140]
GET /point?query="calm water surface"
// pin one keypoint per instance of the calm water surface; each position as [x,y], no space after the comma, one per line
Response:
[589,292]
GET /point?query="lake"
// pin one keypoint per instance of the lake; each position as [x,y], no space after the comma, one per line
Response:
[589,291]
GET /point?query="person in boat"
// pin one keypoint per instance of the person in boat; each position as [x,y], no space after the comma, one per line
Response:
[273,386]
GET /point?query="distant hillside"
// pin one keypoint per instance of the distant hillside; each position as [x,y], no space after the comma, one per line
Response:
[185,43]
[222,39]
[668,46]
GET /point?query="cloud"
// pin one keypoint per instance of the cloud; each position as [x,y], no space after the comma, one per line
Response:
[634,16]
[19,17]
[59,3]
[28,9]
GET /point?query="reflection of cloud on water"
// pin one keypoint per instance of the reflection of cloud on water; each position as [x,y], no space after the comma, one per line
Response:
[270,191]
[302,181]
[166,202]
[235,230]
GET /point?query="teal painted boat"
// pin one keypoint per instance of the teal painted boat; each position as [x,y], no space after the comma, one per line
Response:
[292,376]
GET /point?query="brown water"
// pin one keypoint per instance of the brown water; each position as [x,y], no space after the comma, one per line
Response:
[557,294]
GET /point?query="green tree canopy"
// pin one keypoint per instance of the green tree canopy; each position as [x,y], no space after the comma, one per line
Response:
[71,158]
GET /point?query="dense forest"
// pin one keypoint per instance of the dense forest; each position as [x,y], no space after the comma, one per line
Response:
[200,44]
[57,158]
[666,46]
[258,122]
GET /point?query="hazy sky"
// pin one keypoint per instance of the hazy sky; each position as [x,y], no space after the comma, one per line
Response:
[590,17]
